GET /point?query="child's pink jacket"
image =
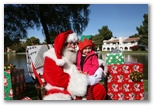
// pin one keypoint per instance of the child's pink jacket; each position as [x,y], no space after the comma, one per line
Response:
[90,63]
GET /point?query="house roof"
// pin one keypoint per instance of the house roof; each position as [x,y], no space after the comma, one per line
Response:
[110,41]
[131,39]
[125,40]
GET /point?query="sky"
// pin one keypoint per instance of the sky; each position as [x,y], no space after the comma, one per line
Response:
[121,19]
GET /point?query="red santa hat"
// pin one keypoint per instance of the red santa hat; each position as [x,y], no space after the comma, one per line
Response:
[85,43]
[62,38]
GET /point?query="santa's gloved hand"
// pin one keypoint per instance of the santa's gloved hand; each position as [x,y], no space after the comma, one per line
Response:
[98,73]
[92,80]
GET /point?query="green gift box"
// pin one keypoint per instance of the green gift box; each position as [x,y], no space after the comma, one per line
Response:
[14,84]
[115,58]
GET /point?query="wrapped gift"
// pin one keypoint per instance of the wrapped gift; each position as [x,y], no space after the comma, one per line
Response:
[115,58]
[125,81]
[14,84]
[8,92]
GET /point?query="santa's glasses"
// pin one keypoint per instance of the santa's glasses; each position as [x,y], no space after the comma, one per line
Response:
[72,44]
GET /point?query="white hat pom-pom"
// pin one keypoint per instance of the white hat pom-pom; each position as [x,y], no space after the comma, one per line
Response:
[72,37]
[60,62]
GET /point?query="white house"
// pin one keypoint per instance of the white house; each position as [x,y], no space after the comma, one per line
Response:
[120,43]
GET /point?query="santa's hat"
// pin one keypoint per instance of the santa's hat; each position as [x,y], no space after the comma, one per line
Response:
[62,38]
[85,43]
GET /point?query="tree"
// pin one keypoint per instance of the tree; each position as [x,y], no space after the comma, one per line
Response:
[135,35]
[104,34]
[143,31]
[32,41]
[9,42]
[97,41]
[52,17]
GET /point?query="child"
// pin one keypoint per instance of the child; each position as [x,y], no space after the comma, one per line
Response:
[87,61]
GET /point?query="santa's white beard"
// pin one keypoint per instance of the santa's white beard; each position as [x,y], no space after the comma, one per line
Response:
[70,54]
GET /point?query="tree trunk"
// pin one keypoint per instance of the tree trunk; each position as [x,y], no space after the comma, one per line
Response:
[45,28]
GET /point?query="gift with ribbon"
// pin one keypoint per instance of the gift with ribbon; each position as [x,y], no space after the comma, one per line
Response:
[125,81]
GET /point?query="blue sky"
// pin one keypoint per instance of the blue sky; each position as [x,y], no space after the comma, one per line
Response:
[121,19]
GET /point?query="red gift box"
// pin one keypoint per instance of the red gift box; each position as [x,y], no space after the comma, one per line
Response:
[125,81]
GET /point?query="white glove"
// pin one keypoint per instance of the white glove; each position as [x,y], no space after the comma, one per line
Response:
[91,80]
[98,74]
[96,78]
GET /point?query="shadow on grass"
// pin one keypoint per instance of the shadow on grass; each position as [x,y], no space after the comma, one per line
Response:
[31,90]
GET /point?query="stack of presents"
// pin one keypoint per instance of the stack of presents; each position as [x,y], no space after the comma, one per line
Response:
[14,83]
[125,79]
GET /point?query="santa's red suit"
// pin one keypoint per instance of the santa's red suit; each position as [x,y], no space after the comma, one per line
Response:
[64,81]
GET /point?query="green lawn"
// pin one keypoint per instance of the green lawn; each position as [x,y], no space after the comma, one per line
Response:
[146,85]
[31,91]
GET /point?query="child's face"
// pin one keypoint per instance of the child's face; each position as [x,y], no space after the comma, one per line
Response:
[86,50]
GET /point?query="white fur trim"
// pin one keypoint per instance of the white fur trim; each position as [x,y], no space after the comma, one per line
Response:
[60,62]
[57,96]
[49,87]
[78,82]
[72,37]
[51,54]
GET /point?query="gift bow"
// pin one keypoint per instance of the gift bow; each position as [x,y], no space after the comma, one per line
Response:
[9,66]
[136,76]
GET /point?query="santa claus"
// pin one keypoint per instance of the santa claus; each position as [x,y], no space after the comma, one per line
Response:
[64,81]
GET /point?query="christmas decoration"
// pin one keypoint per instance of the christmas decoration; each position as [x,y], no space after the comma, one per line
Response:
[14,83]
[125,81]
